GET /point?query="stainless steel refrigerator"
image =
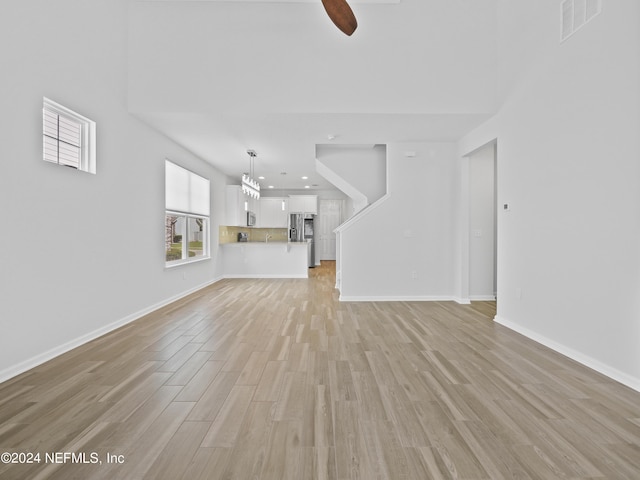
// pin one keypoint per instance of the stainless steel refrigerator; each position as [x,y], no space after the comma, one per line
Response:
[301,228]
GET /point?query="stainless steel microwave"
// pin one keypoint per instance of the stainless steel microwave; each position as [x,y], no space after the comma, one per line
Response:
[251,219]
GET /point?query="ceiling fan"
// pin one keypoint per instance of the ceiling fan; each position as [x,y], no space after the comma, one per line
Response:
[341,15]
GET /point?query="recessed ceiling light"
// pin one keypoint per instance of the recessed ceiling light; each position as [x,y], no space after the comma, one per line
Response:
[270,186]
[261,178]
[307,186]
[305,177]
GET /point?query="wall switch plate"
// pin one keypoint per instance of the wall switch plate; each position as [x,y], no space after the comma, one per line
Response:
[506,207]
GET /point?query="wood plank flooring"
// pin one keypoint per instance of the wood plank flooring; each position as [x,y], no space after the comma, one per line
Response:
[276,379]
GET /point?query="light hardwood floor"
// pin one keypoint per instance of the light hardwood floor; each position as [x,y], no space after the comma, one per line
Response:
[276,379]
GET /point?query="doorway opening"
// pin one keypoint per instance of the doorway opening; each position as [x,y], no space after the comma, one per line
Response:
[483,225]
[330,213]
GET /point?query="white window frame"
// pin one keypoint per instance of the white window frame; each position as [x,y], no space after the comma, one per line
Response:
[186,239]
[87,161]
[192,208]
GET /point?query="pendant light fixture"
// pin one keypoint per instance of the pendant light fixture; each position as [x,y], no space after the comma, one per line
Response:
[283,204]
[250,187]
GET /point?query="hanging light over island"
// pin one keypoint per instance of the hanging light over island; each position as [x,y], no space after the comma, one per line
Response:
[250,187]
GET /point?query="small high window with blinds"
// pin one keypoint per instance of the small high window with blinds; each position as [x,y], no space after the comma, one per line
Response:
[575,14]
[68,138]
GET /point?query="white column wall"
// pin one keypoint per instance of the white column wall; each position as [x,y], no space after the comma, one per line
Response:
[402,246]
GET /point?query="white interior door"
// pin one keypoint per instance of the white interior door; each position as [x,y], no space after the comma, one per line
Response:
[329,217]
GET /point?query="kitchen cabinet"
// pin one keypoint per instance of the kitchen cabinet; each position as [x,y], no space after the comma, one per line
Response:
[235,212]
[237,205]
[272,215]
[303,204]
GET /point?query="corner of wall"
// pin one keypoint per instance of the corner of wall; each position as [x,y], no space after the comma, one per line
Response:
[586,360]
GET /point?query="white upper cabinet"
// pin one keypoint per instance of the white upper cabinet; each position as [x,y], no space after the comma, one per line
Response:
[238,204]
[303,204]
[272,213]
[236,214]
[296,204]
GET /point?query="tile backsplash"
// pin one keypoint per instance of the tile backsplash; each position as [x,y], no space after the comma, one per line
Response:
[229,234]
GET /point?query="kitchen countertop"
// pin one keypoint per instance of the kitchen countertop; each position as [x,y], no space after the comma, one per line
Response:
[275,242]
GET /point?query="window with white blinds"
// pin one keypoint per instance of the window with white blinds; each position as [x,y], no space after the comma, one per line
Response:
[186,192]
[68,138]
[186,215]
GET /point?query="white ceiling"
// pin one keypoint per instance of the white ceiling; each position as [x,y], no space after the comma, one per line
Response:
[352,2]
[277,77]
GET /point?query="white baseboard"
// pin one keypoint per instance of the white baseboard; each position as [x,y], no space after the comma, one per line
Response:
[482,298]
[391,298]
[41,358]
[462,301]
[613,373]
[257,275]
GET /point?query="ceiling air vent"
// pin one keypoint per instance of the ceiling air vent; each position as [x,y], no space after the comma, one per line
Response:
[577,13]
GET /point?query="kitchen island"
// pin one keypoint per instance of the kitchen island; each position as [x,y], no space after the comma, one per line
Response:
[265,259]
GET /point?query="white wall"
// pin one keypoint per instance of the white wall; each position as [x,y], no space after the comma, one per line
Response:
[362,167]
[482,224]
[80,253]
[568,146]
[401,246]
